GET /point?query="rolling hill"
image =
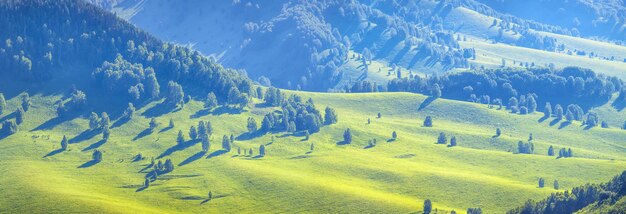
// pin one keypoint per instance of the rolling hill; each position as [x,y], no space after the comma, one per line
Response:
[291,178]
[126,105]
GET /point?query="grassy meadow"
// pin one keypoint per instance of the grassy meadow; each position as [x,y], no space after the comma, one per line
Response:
[395,176]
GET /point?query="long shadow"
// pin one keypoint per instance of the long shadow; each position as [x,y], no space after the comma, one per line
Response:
[587,127]
[369,146]
[8,117]
[216,153]
[50,124]
[564,124]
[554,122]
[401,53]
[426,102]
[391,140]
[249,135]
[159,110]
[544,118]
[95,145]
[142,188]
[619,105]
[205,201]
[178,147]
[85,135]
[52,153]
[257,157]
[120,122]
[343,142]
[192,158]
[166,129]
[88,164]
[143,133]
[200,113]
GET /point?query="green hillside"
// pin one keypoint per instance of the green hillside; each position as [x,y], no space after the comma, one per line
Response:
[394,176]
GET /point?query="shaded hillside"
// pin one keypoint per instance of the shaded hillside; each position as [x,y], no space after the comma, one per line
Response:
[76,43]
[300,44]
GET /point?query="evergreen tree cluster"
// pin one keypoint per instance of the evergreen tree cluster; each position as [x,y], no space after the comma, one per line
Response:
[573,85]
[126,61]
[296,114]
[579,197]
[525,148]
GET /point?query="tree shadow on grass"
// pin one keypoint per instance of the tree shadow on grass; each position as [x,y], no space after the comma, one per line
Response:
[200,113]
[143,133]
[426,102]
[544,118]
[95,145]
[142,188]
[216,153]
[166,129]
[249,135]
[50,124]
[192,158]
[554,122]
[391,140]
[85,135]
[53,153]
[123,120]
[160,109]
[178,147]
[369,146]
[564,124]
[7,117]
[343,142]
[618,105]
[88,164]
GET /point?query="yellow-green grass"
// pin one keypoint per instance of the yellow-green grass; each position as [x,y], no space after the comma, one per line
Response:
[491,55]
[392,177]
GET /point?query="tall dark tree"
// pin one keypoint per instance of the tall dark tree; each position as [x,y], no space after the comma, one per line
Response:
[435,91]
[193,133]
[547,110]
[94,121]
[347,136]
[428,122]
[169,166]
[498,132]
[442,139]
[26,103]
[206,145]
[551,151]
[531,104]
[428,206]
[211,101]
[181,138]
[556,184]
[19,115]
[541,182]
[330,116]
[394,135]
[558,112]
[64,143]
[106,133]
[226,143]
[175,93]
[130,111]
[3,103]
[105,121]
[171,125]
[252,127]
[453,141]
[262,150]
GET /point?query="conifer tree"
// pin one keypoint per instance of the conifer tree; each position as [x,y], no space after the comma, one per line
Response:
[3,103]
[181,138]
[428,122]
[64,143]
[347,136]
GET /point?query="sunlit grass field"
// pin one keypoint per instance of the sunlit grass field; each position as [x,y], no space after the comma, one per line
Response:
[391,177]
